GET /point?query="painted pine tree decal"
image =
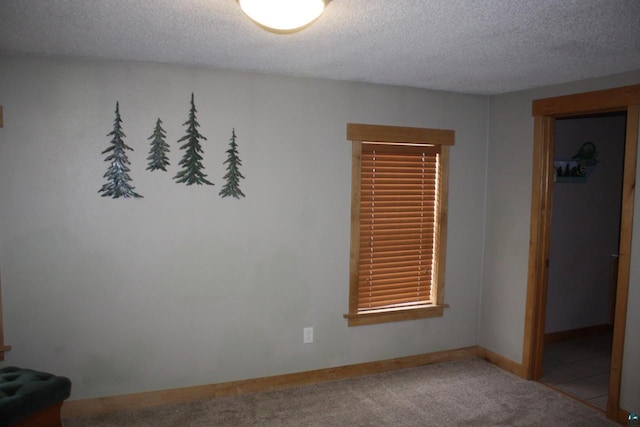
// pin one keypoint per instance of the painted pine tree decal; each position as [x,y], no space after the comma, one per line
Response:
[232,186]
[192,172]
[159,148]
[118,172]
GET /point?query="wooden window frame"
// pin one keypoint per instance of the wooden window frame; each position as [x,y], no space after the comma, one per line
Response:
[364,133]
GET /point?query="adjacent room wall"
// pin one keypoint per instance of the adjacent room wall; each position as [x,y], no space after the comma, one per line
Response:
[508,223]
[585,226]
[181,287]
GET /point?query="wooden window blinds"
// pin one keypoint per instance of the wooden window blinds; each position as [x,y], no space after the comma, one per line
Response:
[398,205]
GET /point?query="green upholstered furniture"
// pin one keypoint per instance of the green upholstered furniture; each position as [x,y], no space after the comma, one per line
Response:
[31,398]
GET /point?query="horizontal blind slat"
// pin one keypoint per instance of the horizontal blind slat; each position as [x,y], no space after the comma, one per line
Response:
[408,216]
[392,281]
[401,282]
[400,227]
[425,289]
[401,252]
[396,298]
[394,302]
[399,207]
[372,277]
[406,290]
[389,256]
[371,246]
[406,294]
[381,265]
[399,236]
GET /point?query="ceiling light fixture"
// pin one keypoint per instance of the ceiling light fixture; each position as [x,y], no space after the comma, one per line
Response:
[283,16]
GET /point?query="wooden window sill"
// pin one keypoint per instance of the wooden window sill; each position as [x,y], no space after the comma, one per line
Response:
[395,315]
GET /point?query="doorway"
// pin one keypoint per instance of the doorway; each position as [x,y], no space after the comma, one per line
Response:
[584,244]
[545,112]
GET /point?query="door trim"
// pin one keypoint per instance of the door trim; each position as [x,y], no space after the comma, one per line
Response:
[545,111]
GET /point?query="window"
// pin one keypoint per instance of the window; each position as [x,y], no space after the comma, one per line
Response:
[398,222]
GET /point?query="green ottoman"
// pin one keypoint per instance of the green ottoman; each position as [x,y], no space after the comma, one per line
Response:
[31,398]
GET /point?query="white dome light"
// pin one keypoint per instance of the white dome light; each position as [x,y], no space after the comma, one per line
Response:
[283,15]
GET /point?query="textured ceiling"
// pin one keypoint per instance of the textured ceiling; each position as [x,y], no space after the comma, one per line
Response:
[472,46]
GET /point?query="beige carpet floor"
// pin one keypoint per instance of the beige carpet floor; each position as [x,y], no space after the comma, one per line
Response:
[463,393]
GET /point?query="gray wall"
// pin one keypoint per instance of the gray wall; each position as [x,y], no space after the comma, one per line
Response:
[182,287]
[585,226]
[507,229]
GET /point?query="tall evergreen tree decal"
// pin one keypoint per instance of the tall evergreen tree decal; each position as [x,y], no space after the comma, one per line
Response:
[192,160]
[159,148]
[232,187]
[117,173]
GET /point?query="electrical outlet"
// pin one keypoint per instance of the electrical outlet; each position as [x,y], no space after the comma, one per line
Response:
[307,335]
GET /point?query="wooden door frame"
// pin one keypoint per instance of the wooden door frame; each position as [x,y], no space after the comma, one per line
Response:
[545,111]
